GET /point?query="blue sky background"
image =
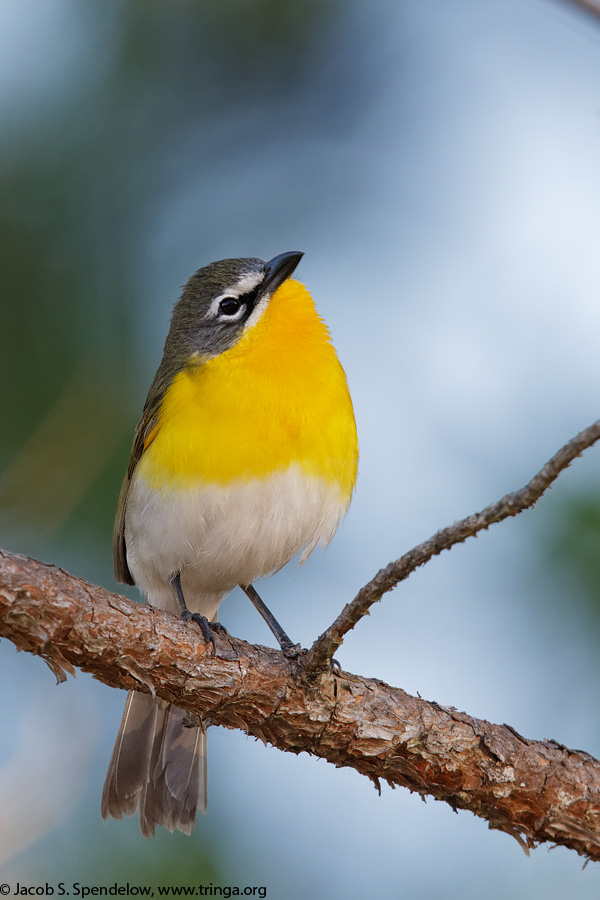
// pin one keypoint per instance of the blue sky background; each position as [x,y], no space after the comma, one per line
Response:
[439,165]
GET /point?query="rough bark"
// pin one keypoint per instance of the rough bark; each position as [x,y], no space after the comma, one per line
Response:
[534,790]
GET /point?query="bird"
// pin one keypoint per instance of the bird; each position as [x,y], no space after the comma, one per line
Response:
[244,457]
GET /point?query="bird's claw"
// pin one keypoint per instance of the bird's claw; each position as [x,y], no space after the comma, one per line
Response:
[291,650]
[208,629]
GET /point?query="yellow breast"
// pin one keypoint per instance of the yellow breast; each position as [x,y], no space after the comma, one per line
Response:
[276,398]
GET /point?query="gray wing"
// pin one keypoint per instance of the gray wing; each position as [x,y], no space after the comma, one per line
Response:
[144,435]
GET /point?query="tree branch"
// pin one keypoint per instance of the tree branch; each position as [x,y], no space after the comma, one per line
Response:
[534,790]
[321,653]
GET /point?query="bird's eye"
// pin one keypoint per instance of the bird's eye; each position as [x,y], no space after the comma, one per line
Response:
[229,306]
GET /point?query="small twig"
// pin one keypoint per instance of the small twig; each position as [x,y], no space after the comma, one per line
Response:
[323,649]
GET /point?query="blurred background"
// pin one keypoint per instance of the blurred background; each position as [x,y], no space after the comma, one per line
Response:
[439,164]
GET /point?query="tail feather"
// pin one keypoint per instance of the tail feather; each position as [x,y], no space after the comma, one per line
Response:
[183,746]
[176,786]
[128,768]
[158,764]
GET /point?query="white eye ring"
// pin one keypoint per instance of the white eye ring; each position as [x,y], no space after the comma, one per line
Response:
[217,312]
[229,307]
[244,285]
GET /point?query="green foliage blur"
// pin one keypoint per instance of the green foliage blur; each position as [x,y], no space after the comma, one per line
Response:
[572,549]
[159,95]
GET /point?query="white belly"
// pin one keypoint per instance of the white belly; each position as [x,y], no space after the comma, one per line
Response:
[218,537]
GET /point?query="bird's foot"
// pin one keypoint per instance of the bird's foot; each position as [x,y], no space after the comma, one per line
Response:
[290,650]
[208,629]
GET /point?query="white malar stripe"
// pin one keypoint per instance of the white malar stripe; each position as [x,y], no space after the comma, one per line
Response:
[219,537]
[257,312]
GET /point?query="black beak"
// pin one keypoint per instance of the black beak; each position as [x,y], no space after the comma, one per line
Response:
[278,269]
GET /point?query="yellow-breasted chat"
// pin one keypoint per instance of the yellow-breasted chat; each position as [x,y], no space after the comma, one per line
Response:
[245,455]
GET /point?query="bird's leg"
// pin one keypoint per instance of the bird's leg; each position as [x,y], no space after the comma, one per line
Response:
[287,645]
[207,628]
